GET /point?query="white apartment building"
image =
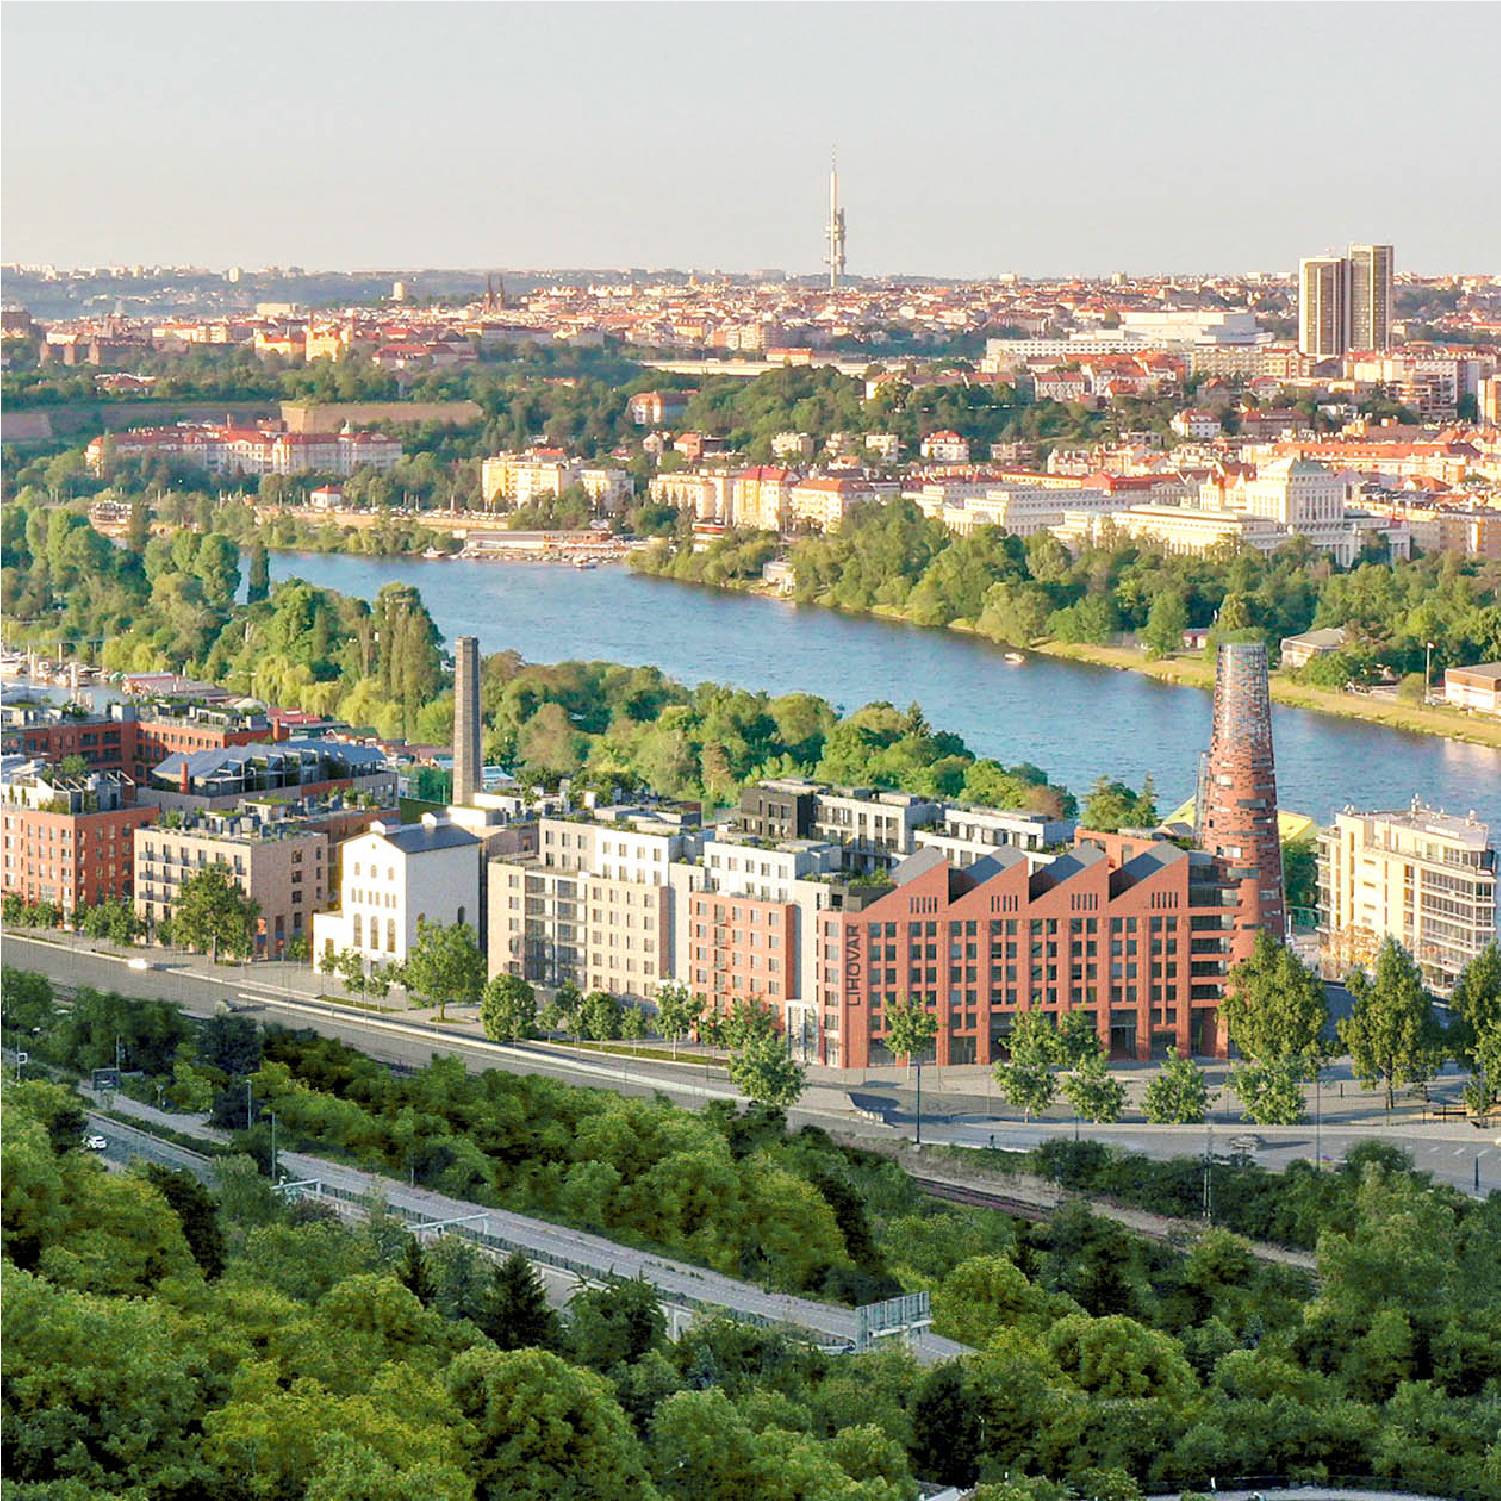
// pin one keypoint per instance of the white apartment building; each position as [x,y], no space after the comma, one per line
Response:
[967,834]
[707,493]
[875,829]
[252,450]
[1181,529]
[520,479]
[1425,878]
[394,876]
[1305,498]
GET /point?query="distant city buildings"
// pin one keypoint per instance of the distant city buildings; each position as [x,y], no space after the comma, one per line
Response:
[509,480]
[221,449]
[1345,302]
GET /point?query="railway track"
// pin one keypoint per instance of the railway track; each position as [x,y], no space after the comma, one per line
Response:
[1021,1209]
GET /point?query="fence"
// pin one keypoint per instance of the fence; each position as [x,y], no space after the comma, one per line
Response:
[502,1245]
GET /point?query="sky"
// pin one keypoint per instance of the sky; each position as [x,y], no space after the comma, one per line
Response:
[973,139]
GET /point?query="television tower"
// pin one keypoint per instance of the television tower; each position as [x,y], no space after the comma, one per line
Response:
[835,231]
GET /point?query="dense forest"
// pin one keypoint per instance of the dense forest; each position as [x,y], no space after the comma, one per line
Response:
[889,557]
[167,1341]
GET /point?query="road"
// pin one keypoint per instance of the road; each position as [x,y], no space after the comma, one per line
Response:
[1454,1152]
[555,1248]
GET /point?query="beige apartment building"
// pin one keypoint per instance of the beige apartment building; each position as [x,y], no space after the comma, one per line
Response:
[595,903]
[279,864]
[1425,878]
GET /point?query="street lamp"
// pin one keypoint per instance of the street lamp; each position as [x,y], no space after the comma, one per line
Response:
[919,1101]
[1427,668]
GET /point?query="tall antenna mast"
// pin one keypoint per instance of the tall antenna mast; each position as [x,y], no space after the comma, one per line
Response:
[835,231]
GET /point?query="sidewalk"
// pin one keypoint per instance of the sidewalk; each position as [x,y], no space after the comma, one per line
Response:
[954,1094]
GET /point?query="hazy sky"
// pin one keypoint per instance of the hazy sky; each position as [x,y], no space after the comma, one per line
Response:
[972,138]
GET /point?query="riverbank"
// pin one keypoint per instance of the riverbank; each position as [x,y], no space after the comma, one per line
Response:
[1186,670]
[1193,671]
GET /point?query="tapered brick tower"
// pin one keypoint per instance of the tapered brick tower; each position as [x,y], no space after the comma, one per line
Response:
[1237,802]
[466,721]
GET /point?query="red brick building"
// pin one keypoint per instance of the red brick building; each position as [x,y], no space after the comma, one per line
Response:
[126,739]
[1237,802]
[68,840]
[741,948]
[1136,932]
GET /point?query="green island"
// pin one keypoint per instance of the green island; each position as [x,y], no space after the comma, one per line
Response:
[173,1337]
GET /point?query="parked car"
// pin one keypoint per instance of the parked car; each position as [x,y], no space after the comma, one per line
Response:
[95,1143]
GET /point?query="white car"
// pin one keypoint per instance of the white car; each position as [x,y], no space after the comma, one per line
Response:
[95,1143]
[139,964]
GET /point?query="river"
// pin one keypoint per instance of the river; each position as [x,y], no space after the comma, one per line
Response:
[1073,719]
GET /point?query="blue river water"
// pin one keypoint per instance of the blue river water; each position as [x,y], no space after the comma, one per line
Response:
[1075,720]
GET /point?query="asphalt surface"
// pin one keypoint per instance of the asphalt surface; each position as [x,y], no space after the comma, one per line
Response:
[1453,1151]
[567,1255]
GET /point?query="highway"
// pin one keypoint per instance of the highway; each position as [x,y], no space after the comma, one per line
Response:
[1454,1152]
[554,1248]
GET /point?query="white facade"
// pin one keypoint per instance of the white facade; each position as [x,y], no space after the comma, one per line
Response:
[390,878]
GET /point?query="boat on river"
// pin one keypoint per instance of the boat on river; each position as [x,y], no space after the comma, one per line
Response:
[1015,657]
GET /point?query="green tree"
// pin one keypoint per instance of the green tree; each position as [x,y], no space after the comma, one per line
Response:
[112,920]
[633,1024]
[197,1213]
[1391,1033]
[910,1027]
[26,1004]
[508,1008]
[230,1043]
[212,914]
[600,1016]
[259,585]
[445,965]
[1166,622]
[1271,1091]
[413,1273]
[1036,1047]
[1275,1007]
[138,529]
[1113,805]
[616,1324]
[1475,1032]
[1178,1094]
[677,1012]
[1093,1092]
[764,1071]
[515,1313]
[947,1435]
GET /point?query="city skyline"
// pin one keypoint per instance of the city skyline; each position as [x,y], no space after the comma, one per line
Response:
[419,169]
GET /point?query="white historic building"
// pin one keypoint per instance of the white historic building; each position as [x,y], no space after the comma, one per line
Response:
[392,877]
